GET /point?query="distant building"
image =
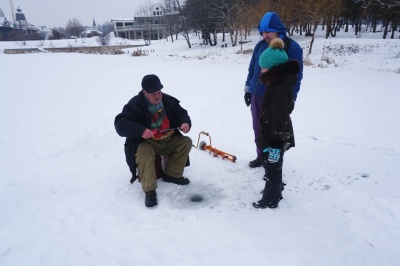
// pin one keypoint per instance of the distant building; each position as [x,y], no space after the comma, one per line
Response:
[91,31]
[20,29]
[151,27]
[5,27]
[22,23]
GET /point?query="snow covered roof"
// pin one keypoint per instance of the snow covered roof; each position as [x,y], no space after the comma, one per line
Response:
[122,19]
[91,30]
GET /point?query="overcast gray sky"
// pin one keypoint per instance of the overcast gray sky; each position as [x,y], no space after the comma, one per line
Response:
[56,13]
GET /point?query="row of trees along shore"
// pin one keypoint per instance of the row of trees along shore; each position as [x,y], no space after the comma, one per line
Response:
[238,17]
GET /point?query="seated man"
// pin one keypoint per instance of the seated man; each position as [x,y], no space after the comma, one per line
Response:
[151,121]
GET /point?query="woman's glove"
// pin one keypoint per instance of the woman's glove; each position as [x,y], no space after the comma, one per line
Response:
[247,98]
[274,154]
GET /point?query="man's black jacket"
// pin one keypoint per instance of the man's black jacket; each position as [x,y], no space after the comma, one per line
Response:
[135,118]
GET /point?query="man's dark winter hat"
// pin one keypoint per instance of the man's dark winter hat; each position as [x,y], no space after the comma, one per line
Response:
[151,83]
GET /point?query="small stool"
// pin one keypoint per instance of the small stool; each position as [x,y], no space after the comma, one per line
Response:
[159,164]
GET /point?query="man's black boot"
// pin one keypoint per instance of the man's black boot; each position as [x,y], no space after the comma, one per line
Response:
[151,199]
[176,180]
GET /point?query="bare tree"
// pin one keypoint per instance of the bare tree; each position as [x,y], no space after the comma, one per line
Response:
[73,28]
[258,10]
[171,15]
[332,17]
[352,14]
[203,15]
[106,28]
[55,34]
[387,11]
[183,28]
[145,11]
[291,16]
[315,12]
[233,17]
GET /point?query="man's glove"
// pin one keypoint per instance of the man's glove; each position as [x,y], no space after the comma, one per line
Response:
[247,98]
[274,154]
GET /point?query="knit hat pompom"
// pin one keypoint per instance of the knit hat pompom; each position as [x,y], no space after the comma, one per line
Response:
[277,44]
[274,55]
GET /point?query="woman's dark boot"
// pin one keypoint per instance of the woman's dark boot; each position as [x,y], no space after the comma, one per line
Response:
[255,163]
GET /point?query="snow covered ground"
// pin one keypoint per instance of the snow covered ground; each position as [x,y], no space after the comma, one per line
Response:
[65,196]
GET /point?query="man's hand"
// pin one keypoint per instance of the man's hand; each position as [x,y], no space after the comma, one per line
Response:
[185,128]
[147,134]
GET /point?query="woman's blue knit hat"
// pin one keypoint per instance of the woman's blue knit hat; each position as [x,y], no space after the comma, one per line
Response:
[274,55]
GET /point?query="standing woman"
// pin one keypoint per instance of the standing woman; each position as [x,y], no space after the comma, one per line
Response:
[270,28]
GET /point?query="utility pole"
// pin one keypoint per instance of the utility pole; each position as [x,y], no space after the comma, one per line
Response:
[12,10]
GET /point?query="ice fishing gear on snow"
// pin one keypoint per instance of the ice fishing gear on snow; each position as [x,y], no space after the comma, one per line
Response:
[203,146]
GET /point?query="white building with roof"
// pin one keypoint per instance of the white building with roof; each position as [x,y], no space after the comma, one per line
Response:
[150,26]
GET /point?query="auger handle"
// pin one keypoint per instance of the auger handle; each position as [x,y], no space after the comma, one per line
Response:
[198,140]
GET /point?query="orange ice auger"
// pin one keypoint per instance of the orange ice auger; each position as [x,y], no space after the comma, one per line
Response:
[203,146]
